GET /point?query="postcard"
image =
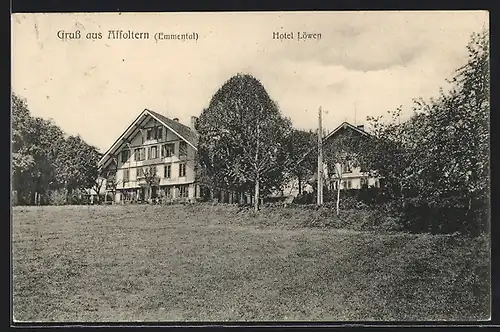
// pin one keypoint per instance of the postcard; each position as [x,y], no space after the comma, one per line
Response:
[227,167]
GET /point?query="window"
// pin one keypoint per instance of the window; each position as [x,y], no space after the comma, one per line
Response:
[125,155]
[183,191]
[348,184]
[139,154]
[152,152]
[348,167]
[154,133]
[167,171]
[140,172]
[182,170]
[182,149]
[167,150]
[166,192]
[126,175]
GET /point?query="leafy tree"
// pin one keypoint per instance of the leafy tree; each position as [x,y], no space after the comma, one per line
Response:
[298,144]
[391,153]
[43,160]
[22,161]
[151,178]
[76,164]
[98,185]
[440,156]
[242,138]
[35,146]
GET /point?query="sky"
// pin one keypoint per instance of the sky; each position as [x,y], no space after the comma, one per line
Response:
[364,64]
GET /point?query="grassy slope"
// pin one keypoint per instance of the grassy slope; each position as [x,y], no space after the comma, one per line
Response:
[113,263]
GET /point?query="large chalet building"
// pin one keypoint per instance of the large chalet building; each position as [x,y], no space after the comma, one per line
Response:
[154,157]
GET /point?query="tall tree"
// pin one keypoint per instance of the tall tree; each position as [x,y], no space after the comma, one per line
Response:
[440,156]
[242,138]
[299,143]
[22,161]
[77,164]
[151,178]
[112,181]
[35,146]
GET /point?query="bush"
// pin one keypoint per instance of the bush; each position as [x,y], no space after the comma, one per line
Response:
[57,197]
[447,215]
[304,198]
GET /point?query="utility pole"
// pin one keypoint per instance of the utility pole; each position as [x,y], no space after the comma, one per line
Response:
[320,159]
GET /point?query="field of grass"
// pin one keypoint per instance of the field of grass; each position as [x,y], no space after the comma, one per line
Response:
[219,263]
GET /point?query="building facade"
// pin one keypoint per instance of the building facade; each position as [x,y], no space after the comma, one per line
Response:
[154,158]
[351,177]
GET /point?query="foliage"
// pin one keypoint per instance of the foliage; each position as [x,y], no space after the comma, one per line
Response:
[242,138]
[151,177]
[76,164]
[298,146]
[43,159]
[58,197]
[98,185]
[437,162]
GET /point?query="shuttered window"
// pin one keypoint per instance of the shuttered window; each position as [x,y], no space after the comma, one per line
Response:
[183,191]
[140,172]
[125,155]
[182,170]
[167,150]
[126,175]
[167,171]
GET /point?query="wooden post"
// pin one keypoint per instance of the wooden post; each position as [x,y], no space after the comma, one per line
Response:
[320,160]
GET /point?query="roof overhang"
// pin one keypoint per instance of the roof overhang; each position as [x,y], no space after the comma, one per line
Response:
[343,125]
[132,130]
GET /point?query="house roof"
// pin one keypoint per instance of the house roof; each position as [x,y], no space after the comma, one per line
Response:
[343,125]
[181,130]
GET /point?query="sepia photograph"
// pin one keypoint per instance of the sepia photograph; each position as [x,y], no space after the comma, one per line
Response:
[281,166]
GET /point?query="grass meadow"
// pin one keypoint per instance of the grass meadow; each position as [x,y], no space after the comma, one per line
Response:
[221,263]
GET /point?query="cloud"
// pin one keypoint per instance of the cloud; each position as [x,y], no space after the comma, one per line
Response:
[360,49]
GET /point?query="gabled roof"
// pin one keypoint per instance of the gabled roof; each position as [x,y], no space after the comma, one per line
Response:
[335,131]
[183,131]
[346,125]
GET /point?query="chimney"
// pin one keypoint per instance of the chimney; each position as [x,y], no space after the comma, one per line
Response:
[176,119]
[193,123]
[361,127]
